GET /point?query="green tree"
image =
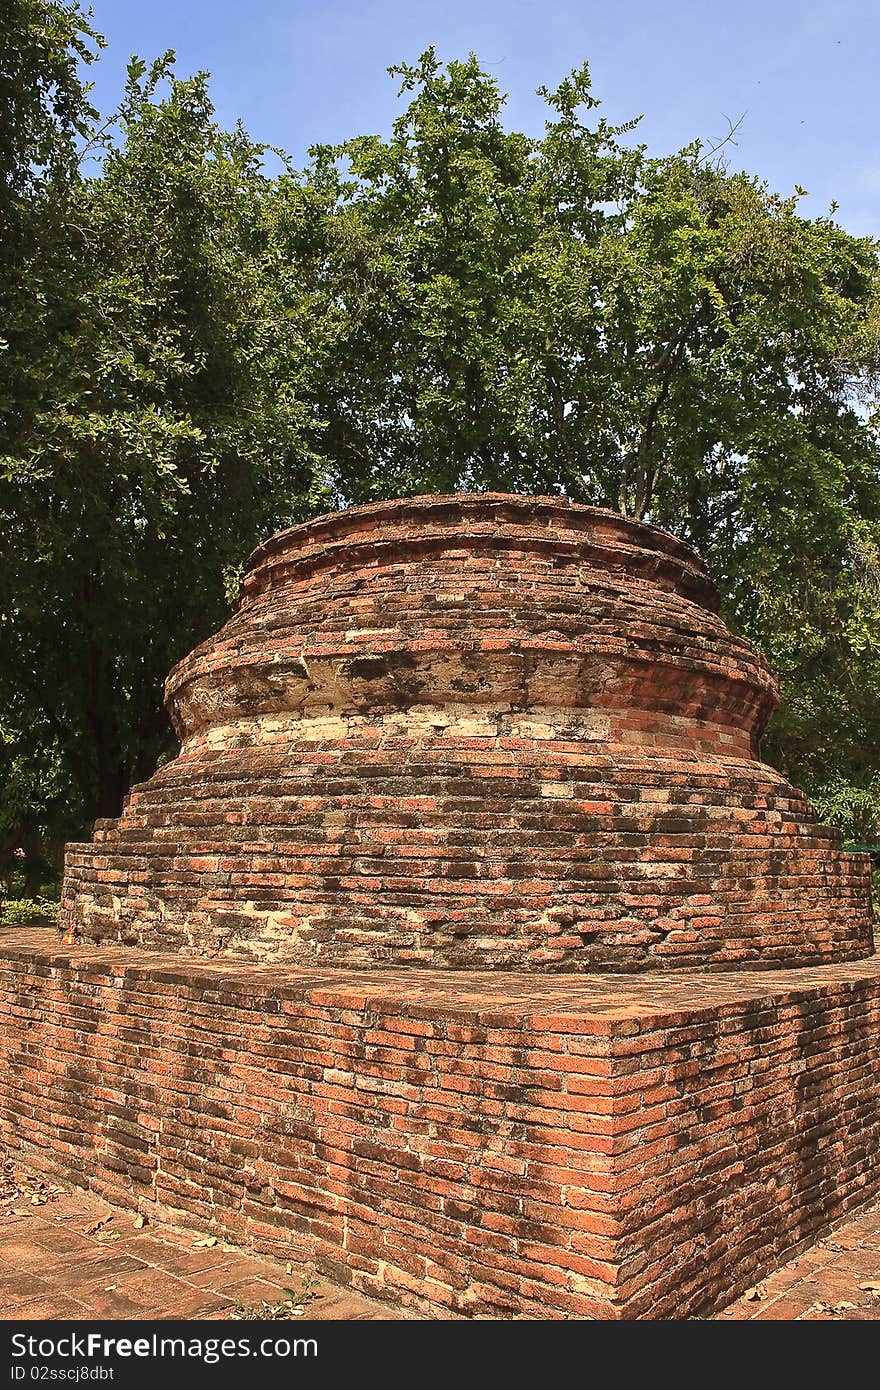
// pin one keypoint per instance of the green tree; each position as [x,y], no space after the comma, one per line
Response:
[44,105]
[152,429]
[659,336]
[45,114]
[460,259]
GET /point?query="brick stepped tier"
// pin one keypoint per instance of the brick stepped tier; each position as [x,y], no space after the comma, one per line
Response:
[621,861]
[473,732]
[474,1144]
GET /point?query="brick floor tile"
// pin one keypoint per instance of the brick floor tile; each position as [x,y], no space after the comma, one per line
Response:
[853,1240]
[783,1310]
[238,1269]
[111,1304]
[152,1288]
[815,1258]
[24,1254]
[253,1292]
[216,1277]
[95,1274]
[67,1244]
[820,1312]
[46,1309]
[783,1279]
[19,1287]
[864,1263]
[205,1304]
[178,1258]
[148,1247]
[834,1284]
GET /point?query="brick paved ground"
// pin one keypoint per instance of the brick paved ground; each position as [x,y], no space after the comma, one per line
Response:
[67,1254]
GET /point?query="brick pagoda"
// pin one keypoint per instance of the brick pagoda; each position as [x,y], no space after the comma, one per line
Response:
[467,948]
[476,732]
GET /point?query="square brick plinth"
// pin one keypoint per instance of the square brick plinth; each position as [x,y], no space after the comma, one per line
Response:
[475,1144]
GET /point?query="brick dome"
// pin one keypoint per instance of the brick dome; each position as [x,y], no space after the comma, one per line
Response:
[477,731]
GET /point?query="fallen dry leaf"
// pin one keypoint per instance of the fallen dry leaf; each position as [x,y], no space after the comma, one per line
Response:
[757,1291]
[831,1308]
[140,1222]
[108,1288]
[208,1240]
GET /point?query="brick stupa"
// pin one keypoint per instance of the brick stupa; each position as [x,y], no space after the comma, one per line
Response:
[484,732]
[468,949]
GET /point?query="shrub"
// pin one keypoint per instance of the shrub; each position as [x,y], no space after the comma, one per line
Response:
[28,912]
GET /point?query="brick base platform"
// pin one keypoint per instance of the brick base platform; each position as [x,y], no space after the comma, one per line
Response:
[467,1143]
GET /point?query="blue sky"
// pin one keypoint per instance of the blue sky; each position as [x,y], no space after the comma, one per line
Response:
[802,73]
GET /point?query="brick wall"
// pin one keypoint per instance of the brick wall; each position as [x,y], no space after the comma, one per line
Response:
[484,1145]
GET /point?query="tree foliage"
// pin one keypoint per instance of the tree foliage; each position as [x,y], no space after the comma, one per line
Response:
[657,335]
[153,424]
[200,351]
[44,45]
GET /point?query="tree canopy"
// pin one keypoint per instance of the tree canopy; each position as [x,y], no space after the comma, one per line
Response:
[198,351]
